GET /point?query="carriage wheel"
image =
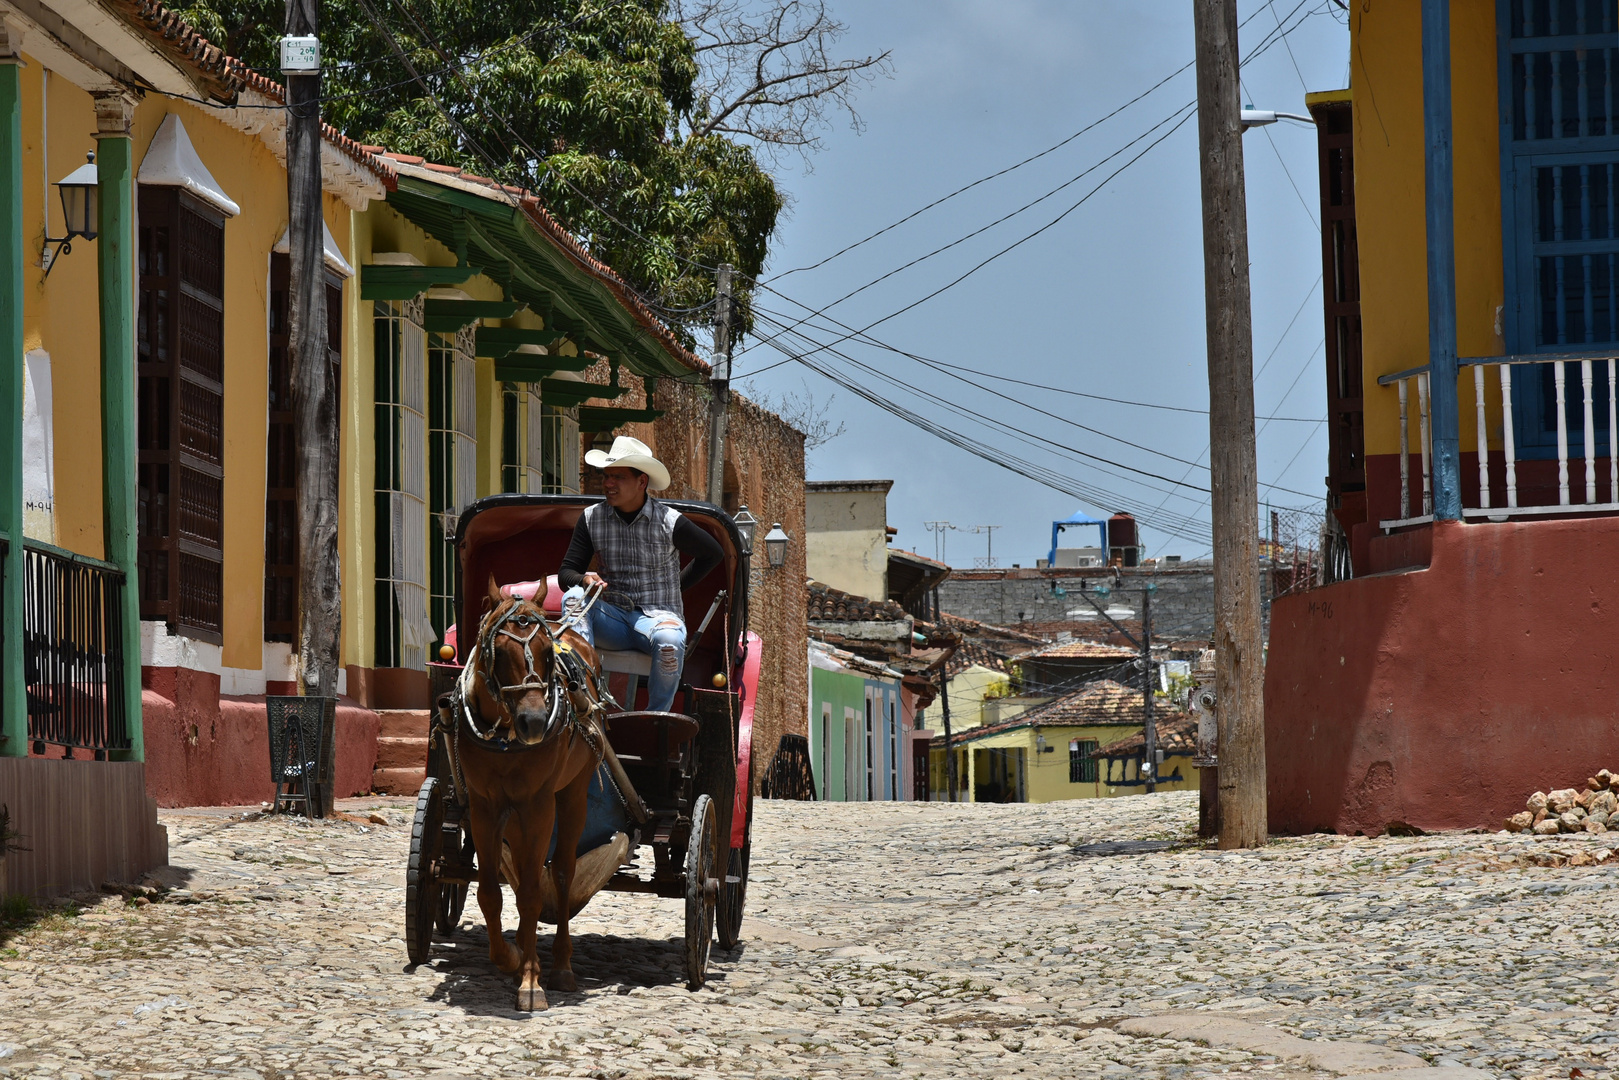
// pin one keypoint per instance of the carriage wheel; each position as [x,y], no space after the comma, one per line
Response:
[422,885]
[733,895]
[453,894]
[702,889]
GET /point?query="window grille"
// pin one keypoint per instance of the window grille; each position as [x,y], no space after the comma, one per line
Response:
[559,452]
[523,440]
[453,453]
[1560,183]
[404,629]
[1081,766]
[180,360]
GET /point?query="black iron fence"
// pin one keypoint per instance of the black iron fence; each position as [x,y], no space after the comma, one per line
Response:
[73,651]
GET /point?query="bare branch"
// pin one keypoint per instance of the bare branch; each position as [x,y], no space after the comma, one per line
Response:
[770,72]
[801,411]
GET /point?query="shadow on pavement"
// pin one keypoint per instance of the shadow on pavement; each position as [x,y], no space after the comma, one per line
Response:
[602,964]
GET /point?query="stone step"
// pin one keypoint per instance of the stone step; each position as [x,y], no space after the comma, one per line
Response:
[398,781]
[396,753]
[403,723]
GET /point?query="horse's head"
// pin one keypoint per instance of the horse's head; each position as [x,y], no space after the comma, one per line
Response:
[516,662]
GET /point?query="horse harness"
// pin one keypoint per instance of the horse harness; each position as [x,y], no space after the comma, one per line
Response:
[569,675]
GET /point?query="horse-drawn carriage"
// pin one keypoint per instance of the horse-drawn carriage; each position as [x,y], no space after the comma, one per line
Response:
[676,785]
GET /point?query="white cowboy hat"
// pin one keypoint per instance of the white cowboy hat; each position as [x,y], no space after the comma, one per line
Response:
[628,453]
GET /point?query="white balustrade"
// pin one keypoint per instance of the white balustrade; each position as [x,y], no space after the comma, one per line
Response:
[1504,461]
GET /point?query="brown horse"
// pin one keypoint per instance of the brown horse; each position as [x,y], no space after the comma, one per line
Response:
[528,742]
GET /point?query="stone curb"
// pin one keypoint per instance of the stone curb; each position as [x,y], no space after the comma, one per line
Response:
[1338,1058]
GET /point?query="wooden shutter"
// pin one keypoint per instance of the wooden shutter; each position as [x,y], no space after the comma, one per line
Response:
[280,479]
[180,341]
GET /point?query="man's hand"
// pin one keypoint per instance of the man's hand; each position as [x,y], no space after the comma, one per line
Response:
[593,579]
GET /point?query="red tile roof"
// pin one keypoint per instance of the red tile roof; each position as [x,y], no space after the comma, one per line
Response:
[827,604]
[184,45]
[1082,650]
[1098,704]
[1177,734]
[364,156]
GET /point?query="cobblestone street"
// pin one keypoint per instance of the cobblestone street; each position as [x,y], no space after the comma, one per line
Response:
[880,940]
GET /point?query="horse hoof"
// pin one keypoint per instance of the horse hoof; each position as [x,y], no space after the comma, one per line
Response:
[531,999]
[563,981]
[510,962]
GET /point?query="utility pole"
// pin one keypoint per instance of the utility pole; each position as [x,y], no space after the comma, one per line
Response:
[938,529]
[1149,750]
[1238,647]
[944,710]
[720,383]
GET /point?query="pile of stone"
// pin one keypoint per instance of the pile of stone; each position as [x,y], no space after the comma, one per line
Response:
[1569,810]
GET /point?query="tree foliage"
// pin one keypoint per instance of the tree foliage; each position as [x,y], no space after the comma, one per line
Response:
[589,103]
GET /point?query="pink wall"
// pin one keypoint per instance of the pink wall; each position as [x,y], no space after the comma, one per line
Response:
[206,750]
[1443,697]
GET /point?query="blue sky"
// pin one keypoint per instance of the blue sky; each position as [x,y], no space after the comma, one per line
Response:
[1108,301]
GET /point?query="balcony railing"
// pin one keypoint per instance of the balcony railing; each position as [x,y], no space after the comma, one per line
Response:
[1601,493]
[73,653]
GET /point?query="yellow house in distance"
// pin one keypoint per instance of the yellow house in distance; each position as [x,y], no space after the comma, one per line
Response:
[1083,745]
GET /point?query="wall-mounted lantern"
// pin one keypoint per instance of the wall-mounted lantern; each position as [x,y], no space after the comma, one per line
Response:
[746,523]
[776,542]
[78,190]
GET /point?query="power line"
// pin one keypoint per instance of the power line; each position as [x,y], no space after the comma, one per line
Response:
[1270,39]
[1176,524]
[1026,161]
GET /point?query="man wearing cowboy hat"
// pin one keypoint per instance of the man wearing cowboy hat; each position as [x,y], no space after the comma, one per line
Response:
[639,541]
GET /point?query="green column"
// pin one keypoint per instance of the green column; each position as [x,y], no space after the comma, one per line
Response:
[13,700]
[115,258]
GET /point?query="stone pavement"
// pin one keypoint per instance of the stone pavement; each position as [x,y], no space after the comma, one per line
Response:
[881,940]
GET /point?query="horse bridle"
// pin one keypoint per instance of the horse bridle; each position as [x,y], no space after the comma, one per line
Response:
[561,670]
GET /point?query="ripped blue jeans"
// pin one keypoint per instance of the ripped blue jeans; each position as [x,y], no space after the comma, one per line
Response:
[662,636]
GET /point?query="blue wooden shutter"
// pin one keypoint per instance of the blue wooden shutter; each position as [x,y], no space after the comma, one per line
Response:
[1559,71]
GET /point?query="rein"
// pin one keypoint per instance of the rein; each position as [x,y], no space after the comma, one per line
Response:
[564,678]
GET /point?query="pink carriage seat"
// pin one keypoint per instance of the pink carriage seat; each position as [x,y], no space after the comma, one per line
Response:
[528,590]
[628,663]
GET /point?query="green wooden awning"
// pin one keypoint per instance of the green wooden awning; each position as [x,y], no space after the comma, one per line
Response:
[448,316]
[502,242]
[527,367]
[604,420]
[497,341]
[404,282]
[565,392]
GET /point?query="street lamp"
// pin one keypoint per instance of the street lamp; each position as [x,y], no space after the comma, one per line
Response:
[78,190]
[1252,117]
[746,523]
[776,542]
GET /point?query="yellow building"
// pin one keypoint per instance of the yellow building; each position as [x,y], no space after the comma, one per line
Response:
[1470,260]
[476,345]
[1050,752]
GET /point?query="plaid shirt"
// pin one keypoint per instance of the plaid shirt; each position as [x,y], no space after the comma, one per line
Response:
[638,558]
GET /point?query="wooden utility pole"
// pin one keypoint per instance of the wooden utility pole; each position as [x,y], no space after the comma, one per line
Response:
[1149,727]
[1238,647]
[720,383]
[314,386]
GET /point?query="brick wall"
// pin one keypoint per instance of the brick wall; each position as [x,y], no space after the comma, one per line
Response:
[764,470]
[1182,606]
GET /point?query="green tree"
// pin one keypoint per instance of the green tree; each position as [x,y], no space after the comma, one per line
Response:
[589,103]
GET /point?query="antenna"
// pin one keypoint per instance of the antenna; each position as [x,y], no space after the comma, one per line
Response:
[988,532]
[938,528]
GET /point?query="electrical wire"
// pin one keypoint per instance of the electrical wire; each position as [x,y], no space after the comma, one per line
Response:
[1018,165]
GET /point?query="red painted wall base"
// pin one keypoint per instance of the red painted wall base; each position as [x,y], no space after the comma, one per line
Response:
[1443,697]
[203,749]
